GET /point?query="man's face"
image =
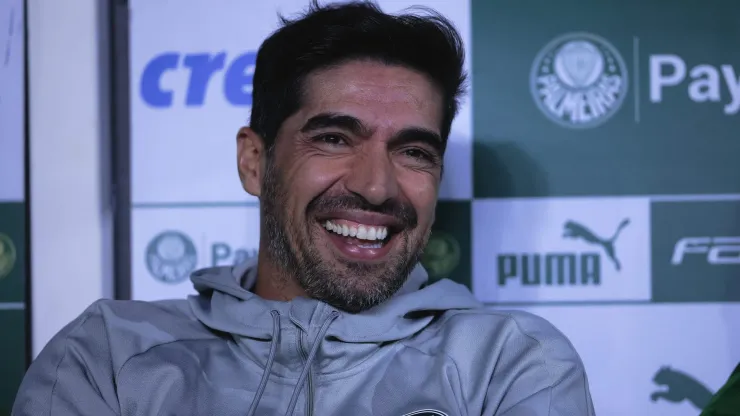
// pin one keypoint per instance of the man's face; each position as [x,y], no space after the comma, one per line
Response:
[351,186]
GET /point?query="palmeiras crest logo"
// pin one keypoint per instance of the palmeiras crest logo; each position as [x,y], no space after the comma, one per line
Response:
[441,255]
[579,80]
[7,255]
[171,257]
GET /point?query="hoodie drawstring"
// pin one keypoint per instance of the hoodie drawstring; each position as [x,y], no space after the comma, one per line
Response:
[270,360]
[311,355]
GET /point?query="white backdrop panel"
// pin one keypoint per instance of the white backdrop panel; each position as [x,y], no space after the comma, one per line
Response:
[191,66]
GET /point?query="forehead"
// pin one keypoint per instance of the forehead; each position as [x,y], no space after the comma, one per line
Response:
[378,94]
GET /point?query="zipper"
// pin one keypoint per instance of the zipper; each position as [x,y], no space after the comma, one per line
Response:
[309,391]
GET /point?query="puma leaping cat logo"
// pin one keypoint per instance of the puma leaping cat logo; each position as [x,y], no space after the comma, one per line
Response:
[575,230]
[681,386]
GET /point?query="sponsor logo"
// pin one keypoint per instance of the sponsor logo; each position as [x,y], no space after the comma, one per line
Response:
[7,255]
[705,81]
[695,261]
[563,267]
[171,257]
[677,386]
[441,255]
[202,72]
[712,250]
[426,412]
[225,254]
[575,230]
[579,80]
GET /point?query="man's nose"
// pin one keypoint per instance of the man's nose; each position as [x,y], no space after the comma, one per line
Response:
[373,176]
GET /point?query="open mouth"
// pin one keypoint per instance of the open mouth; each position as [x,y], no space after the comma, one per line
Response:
[358,240]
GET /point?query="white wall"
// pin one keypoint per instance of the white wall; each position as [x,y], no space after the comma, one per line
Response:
[11,101]
[71,239]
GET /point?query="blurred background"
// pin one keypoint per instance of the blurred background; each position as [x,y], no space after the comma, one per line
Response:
[591,176]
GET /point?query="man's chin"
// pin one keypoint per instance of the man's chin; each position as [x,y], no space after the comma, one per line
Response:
[354,275]
[353,286]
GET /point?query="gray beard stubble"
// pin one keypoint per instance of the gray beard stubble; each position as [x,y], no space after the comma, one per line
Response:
[362,287]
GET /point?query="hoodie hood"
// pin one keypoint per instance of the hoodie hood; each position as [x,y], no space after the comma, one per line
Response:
[296,337]
[225,305]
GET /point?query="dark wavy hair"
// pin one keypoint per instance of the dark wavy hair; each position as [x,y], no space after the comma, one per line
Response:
[331,34]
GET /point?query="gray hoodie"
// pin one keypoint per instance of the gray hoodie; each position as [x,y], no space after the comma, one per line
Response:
[426,351]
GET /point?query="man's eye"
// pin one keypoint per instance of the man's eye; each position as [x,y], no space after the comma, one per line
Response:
[332,139]
[418,154]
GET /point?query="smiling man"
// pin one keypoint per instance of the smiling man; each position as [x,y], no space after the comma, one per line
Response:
[349,182]
[352,110]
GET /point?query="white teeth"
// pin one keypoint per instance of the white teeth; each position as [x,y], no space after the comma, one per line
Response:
[362,232]
[372,245]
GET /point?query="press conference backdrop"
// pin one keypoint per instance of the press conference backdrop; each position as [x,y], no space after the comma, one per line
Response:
[12,201]
[592,174]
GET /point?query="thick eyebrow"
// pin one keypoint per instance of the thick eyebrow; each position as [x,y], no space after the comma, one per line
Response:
[342,121]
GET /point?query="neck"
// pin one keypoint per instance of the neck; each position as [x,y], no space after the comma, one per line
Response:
[272,281]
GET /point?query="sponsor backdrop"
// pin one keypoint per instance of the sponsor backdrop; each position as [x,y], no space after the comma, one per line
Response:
[591,175]
[12,206]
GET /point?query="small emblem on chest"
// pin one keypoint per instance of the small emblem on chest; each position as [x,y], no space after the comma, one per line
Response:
[426,412]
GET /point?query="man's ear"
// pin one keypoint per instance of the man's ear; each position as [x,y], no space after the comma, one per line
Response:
[250,154]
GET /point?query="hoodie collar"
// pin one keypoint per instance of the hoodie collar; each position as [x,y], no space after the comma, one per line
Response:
[224,304]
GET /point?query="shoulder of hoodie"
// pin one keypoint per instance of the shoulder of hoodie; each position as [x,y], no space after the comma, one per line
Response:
[473,336]
[132,327]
